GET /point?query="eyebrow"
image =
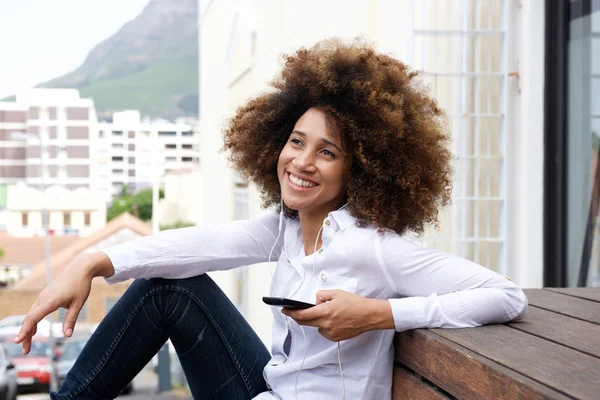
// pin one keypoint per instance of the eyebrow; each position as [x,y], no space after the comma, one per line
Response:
[323,139]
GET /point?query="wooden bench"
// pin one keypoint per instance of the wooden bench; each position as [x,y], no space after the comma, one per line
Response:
[553,354]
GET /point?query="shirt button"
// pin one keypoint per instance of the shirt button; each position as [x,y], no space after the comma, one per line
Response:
[320,251]
[322,277]
[327,222]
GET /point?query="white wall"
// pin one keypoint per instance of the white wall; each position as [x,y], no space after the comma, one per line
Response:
[58,201]
[215,25]
[526,149]
[183,197]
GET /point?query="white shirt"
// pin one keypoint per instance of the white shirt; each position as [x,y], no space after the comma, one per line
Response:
[426,288]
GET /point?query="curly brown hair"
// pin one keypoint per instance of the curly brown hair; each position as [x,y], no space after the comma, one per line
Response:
[393,131]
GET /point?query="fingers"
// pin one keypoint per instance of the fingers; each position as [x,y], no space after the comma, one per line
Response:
[70,319]
[310,316]
[29,326]
[326,295]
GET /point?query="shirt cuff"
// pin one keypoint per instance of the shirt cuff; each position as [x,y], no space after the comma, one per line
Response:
[124,261]
[413,312]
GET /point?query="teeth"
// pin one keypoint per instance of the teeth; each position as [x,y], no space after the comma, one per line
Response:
[300,182]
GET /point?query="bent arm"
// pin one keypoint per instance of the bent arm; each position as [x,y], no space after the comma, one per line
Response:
[442,290]
[187,252]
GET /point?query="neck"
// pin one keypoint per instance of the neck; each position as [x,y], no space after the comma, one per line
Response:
[310,225]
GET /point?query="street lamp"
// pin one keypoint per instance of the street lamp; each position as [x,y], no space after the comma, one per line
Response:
[27,137]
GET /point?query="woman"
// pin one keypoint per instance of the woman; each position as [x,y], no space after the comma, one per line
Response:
[351,149]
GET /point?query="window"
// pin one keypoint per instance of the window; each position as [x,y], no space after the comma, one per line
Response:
[87,219]
[167,133]
[171,159]
[117,146]
[187,133]
[170,146]
[186,159]
[101,134]
[572,126]
[117,171]
[187,146]
[24,219]
[117,159]
[67,219]
[117,133]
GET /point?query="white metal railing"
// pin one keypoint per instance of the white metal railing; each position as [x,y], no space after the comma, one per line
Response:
[461,48]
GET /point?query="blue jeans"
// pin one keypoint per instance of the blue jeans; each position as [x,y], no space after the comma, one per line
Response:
[221,355]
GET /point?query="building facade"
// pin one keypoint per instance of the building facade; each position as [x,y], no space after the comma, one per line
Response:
[134,152]
[57,133]
[77,212]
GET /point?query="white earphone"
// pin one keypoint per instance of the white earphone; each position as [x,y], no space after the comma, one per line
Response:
[286,318]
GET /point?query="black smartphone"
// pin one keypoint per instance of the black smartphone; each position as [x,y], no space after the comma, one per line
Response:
[287,303]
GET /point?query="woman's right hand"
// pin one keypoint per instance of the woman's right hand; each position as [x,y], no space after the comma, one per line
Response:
[69,290]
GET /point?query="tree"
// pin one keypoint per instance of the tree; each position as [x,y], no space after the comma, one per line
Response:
[176,225]
[139,204]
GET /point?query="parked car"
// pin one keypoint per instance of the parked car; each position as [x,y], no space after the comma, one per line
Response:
[34,369]
[10,327]
[8,376]
[70,351]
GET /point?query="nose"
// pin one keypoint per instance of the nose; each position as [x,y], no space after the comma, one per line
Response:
[304,161]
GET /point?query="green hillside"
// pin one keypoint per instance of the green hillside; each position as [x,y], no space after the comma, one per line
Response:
[150,64]
[168,89]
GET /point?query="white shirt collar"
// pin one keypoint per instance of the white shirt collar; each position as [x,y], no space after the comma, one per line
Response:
[342,218]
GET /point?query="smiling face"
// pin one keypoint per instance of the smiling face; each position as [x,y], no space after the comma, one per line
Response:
[311,166]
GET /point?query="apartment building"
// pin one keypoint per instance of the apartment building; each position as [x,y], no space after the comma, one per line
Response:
[133,152]
[56,121]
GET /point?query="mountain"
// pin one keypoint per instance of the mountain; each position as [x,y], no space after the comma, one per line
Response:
[150,64]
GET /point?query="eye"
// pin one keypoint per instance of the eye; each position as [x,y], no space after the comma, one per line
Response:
[328,153]
[296,141]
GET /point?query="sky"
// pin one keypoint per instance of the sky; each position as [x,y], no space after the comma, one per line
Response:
[43,39]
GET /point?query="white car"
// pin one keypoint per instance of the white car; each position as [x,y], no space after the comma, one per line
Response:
[10,327]
[8,376]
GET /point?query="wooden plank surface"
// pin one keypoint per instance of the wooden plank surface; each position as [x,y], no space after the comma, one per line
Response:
[463,373]
[584,293]
[563,369]
[566,331]
[409,386]
[563,304]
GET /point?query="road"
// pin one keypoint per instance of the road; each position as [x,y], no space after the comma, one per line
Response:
[144,387]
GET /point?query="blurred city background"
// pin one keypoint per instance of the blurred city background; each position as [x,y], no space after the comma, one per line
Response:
[110,129]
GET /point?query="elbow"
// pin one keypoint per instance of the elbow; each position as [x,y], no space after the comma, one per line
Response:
[520,304]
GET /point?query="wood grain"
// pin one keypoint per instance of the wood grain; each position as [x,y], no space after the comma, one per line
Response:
[463,373]
[565,370]
[566,331]
[584,293]
[567,305]
[408,386]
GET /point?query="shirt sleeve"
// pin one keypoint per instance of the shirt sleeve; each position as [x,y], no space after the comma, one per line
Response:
[187,252]
[441,290]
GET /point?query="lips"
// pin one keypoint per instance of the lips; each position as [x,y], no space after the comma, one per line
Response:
[300,183]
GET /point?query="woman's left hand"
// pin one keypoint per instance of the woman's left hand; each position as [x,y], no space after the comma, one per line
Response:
[341,315]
